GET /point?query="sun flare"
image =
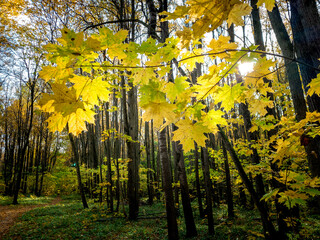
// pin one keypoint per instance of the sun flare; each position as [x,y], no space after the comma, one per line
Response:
[245,67]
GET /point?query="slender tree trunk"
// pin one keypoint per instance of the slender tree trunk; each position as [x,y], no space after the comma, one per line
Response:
[149,172]
[292,70]
[208,187]
[228,183]
[196,169]
[76,158]
[269,230]
[191,230]
[167,187]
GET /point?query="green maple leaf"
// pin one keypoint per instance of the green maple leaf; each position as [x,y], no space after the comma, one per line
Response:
[228,95]
[174,90]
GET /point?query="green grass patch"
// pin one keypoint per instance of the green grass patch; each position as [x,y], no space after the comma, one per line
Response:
[68,220]
[25,200]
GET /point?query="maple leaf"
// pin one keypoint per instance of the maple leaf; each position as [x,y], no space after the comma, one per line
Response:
[268,3]
[207,83]
[314,86]
[174,90]
[152,92]
[77,120]
[259,105]
[189,132]
[228,95]
[158,112]
[57,122]
[186,36]
[91,90]
[189,59]
[260,69]
[59,72]
[236,13]
[220,45]
[213,118]
[179,12]
[196,111]
[63,100]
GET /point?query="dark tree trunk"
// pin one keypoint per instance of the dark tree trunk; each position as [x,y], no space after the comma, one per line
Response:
[292,70]
[167,187]
[208,187]
[149,172]
[305,25]
[191,230]
[76,159]
[269,230]
[228,183]
[196,169]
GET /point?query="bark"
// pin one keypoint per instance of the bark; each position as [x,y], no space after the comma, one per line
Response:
[305,25]
[191,230]
[149,172]
[292,70]
[196,170]
[167,187]
[208,187]
[76,158]
[269,230]
[228,183]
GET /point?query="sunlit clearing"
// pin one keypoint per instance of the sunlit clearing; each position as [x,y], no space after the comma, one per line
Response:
[245,67]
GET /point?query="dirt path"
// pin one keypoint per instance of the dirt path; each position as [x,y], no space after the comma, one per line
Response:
[9,214]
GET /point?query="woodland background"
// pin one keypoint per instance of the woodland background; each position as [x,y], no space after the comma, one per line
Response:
[198,105]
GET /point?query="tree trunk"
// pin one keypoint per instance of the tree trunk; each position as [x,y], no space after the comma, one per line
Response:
[196,170]
[191,230]
[149,172]
[167,187]
[269,230]
[228,183]
[292,70]
[208,187]
[76,158]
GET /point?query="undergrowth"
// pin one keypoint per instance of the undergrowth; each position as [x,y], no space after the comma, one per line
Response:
[68,220]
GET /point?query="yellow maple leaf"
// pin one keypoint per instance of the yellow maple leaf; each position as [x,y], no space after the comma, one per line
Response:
[213,118]
[62,100]
[77,120]
[91,90]
[268,3]
[236,13]
[188,133]
[314,86]
[57,122]
[260,69]
[189,59]
[207,83]
[259,106]
[221,45]
[158,112]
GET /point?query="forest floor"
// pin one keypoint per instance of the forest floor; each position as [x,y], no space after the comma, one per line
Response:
[64,218]
[10,213]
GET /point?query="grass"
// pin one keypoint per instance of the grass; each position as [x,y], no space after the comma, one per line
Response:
[29,200]
[69,220]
